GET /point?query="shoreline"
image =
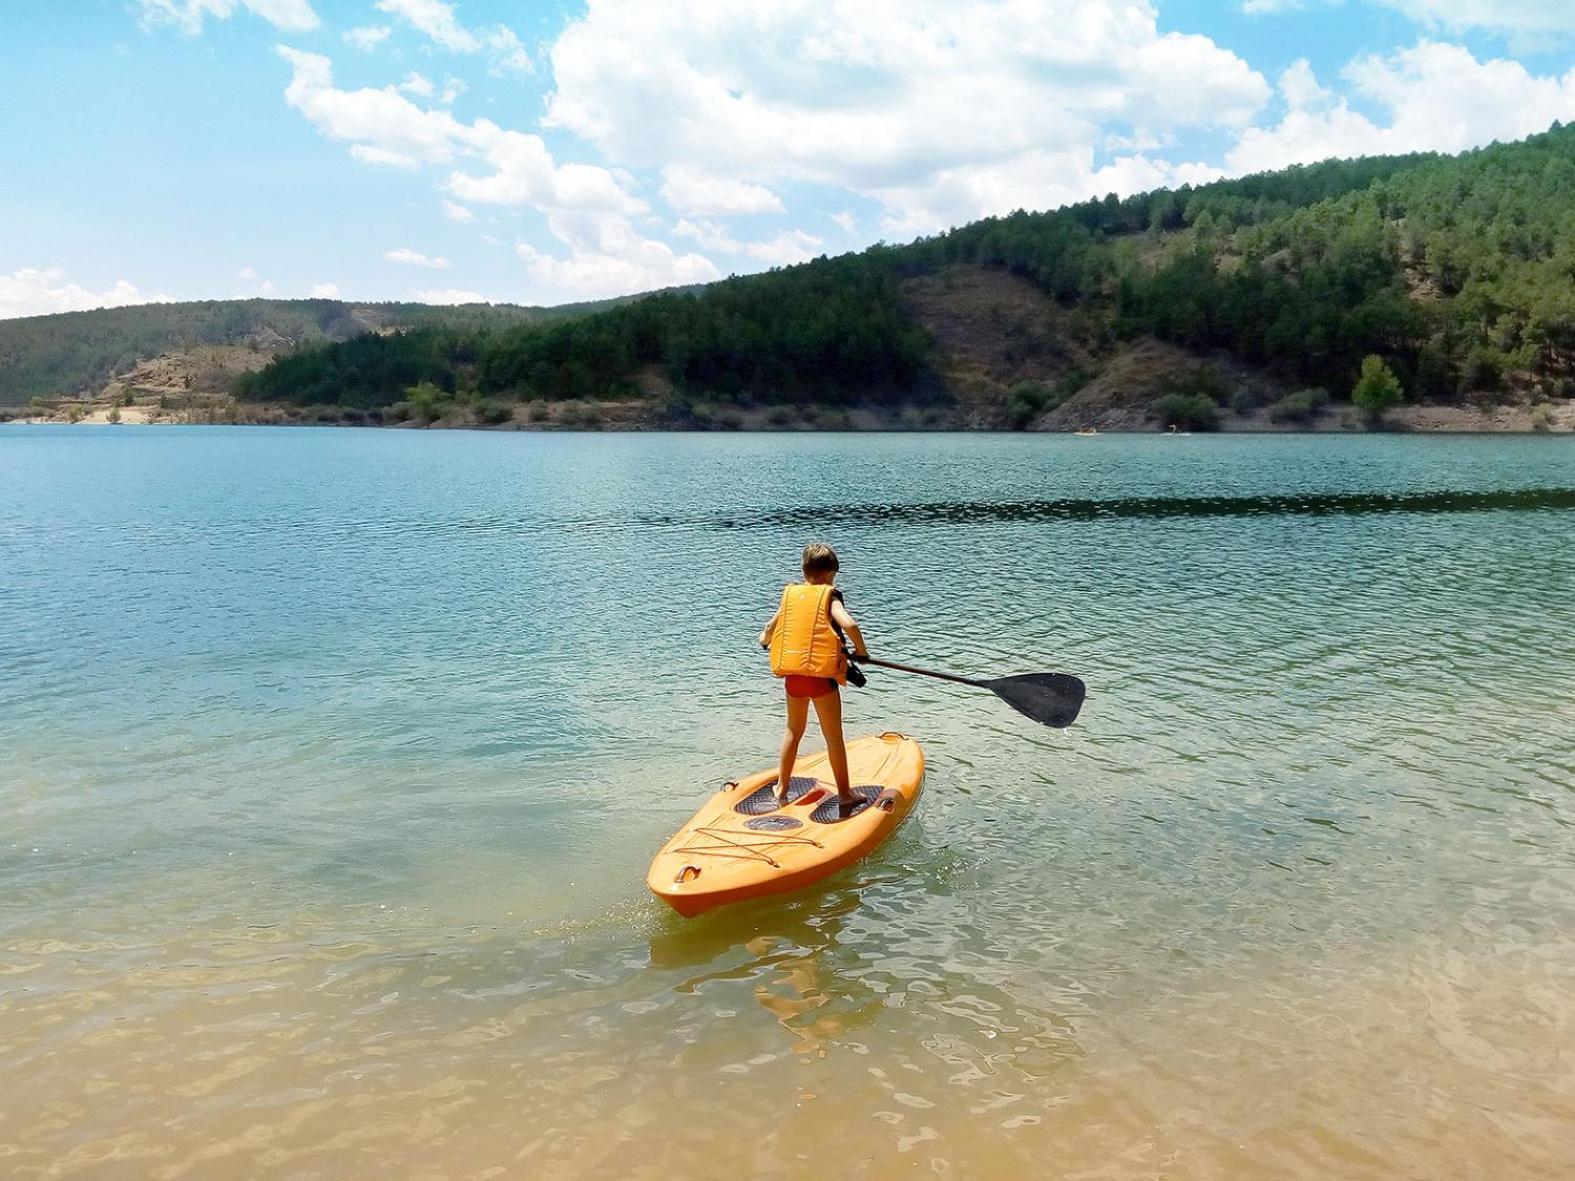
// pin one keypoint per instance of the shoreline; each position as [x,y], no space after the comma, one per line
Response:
[1406,420]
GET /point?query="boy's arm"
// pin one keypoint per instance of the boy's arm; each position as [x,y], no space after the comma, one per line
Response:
[840,616]
[771,626]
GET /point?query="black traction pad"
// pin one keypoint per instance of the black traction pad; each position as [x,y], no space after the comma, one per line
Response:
[764,799]
[829,810]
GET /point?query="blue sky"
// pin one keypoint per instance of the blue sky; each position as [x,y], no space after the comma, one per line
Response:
[545,152]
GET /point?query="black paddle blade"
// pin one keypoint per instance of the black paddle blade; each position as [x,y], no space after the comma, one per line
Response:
[1051,698]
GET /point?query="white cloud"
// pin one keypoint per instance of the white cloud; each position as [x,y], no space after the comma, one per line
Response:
[247,273]
[1301,88]
[434,18]
[1033,180]
[1260,7]
[451,296]
[456,212]
[925,105]
[508,54]
[323,291]
[709,235]
[415,258]
[266,287]
[1433,97]
[598,276]
[845,220]
[690,190]
[524,173]
[440,22]
[37,292]
[367,37]
[607,256]
[1523,16]
[292,16]
[383,126]
[1194,83]
[416,84]
[783,249]
[588,209]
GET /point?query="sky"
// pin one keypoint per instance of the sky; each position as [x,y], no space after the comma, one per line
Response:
[546,152]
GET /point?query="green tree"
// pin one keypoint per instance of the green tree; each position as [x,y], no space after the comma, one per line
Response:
[1377,389]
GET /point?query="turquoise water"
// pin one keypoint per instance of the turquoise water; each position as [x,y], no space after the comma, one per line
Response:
[333,762]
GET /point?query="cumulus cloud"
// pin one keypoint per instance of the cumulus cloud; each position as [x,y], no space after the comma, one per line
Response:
[438,20]
[291,16]
[450,295]
[708,235]
[783,249]
[1432,96]
[383,126]
[925,105]
[456,212]
[587,207]
[416,84]
[367,37]
[607,256]
[37,292]
[1033,180]
[323,291]
[415,258]
[689,190]
[845,220]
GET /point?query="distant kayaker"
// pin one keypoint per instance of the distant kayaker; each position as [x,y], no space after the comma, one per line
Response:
[805,638]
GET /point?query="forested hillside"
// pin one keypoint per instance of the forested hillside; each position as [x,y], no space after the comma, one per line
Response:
[73,352]
[1456,271]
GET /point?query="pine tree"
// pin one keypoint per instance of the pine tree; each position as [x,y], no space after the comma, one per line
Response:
[1377,389]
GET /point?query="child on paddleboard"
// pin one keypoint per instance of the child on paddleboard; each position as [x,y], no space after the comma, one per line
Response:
[805,638]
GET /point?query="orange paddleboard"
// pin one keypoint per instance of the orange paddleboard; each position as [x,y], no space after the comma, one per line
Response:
[743,844]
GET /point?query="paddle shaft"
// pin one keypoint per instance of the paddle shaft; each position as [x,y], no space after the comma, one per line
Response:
[924,672]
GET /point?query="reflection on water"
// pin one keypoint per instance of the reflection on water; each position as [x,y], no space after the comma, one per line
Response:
[334,761]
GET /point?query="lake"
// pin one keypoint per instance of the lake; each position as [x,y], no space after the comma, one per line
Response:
[333,761]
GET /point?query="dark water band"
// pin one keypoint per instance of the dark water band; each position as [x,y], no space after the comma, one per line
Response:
[1146,507]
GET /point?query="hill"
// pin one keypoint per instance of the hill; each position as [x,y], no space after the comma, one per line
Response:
[1252,302]
[73,353]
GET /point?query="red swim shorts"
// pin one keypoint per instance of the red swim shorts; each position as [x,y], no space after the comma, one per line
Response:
[798,686]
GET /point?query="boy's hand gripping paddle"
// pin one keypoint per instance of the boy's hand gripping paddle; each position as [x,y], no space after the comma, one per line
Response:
[1052,699]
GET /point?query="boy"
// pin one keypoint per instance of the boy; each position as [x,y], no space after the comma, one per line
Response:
[805,640]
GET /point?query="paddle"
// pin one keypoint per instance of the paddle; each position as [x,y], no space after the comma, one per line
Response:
[1050,698]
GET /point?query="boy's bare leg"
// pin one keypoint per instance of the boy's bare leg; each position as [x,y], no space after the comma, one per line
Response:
[797,719]
[828,709]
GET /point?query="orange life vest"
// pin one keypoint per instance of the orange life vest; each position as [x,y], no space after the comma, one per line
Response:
[805,644]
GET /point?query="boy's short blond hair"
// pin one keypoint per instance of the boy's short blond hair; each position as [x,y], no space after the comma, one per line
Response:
[820,559]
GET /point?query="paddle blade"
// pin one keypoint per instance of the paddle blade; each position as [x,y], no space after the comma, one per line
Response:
[1051,698]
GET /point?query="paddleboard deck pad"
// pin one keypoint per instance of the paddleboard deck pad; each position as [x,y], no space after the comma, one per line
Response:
[743,843]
